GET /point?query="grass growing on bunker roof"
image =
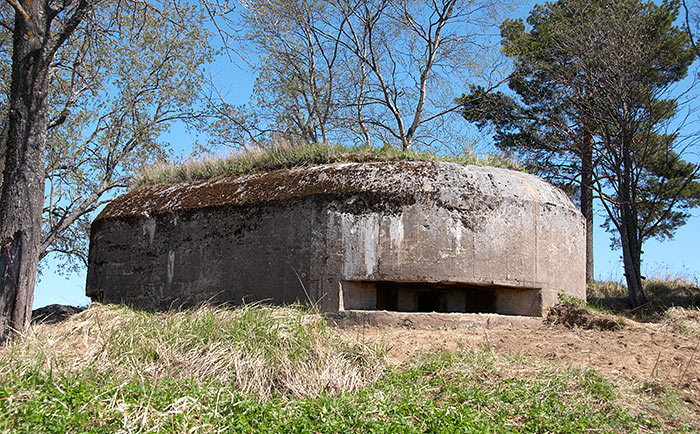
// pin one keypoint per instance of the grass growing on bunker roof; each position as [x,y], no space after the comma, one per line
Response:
[271,370]
[285,156]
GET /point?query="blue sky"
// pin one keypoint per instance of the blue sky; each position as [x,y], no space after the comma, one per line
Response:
[676,258]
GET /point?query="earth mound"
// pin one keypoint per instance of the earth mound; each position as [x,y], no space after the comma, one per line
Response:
[571,316]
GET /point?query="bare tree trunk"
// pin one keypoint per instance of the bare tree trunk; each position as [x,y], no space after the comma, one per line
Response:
[22,193]
[688,29]
[3,148]
[587,199]
[631,256]
[629,238]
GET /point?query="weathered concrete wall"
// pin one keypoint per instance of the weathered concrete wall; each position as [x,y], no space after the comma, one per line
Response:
[335,234]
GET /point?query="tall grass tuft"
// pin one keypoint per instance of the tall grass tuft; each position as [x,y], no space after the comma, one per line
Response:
[284,155]
[662,293]
[260,351]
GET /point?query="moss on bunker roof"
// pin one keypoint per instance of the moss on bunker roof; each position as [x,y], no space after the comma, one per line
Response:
[401,181]
[337,179]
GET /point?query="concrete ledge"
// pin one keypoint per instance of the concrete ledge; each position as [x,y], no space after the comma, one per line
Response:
[421,320]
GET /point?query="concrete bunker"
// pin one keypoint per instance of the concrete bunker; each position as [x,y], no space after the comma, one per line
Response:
[394,236]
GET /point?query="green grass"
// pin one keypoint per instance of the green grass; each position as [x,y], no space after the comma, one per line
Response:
[260,350]
[284,156]
[115,370]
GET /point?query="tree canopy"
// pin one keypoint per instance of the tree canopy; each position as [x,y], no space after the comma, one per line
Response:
[592,100]
[117,84]
[359,71]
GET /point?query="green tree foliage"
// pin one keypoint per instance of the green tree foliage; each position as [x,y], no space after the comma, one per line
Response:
[93,85]
[633,57]
[118,84]
[592,93]
[663,176]
[542,123]
[135,82]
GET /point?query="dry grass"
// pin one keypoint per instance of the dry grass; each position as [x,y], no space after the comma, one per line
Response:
[684,320]
[662,293]
[259,350]
[112,369]
[284,155]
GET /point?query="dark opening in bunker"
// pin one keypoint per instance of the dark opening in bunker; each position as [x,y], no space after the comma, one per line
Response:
[480,300]
[429,301]
[440,297]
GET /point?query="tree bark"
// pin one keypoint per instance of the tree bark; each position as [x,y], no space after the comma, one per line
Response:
[22,194]
[629,237]
[587,198]
[631,256]
[22,191]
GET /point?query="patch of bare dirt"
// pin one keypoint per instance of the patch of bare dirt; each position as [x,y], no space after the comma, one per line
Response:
[641,352]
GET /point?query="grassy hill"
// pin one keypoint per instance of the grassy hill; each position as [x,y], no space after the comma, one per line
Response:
[264,369]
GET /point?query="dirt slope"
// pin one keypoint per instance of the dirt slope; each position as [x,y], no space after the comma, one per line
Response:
[645,353]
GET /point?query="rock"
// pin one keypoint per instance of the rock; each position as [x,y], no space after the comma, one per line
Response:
[54,313]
